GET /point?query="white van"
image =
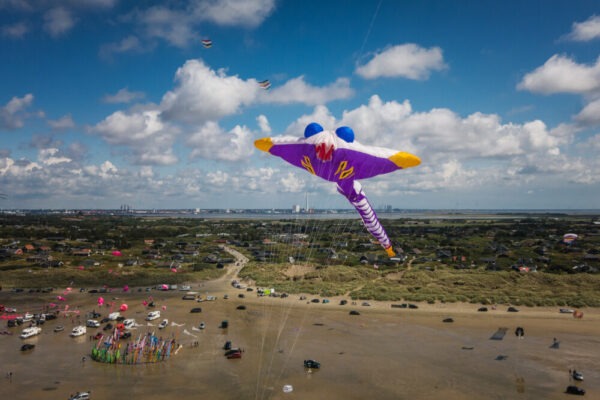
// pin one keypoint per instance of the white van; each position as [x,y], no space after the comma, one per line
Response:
[152,315]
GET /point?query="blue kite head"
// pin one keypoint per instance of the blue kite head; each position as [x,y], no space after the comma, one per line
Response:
[312,129]
[346,133]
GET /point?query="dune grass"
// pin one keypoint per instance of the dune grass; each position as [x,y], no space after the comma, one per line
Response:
[481,287]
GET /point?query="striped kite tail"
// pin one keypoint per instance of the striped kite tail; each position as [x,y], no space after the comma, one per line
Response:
[358,199]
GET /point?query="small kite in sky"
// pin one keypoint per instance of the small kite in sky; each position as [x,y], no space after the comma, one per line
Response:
[207,43]
[336,157]
[265,84]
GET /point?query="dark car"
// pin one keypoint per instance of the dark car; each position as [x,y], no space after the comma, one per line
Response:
[572,389]
[315,300]
[241,307]
[224,324]
[27,346]
[196,310]
[482,309]
[343,302]
[312,364]
[108,327]
[354,312]
[227,345]
[512,309]
[125,335]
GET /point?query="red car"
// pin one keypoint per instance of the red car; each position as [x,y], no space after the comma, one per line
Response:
[235,354]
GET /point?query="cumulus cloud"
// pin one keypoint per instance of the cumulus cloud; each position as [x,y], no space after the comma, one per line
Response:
[124,95]
[178,23]
[126,45]
[457,152]
[404,61]
[590,115]
[211,142]
[560,74]
[248,13]
[173,26]
[263,124]
[58,21]
[14,112]
[64,122]
[585,31]
[296,90]
[51,156]
[203,94]
[148,139]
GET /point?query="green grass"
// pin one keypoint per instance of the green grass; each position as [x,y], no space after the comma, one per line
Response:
[443,285]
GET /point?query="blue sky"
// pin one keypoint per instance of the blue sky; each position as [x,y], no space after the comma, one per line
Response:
[111,102]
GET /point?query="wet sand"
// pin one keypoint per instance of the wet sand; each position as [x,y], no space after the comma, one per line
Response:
[383,353]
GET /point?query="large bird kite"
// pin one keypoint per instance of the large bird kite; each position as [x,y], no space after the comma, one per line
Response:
[337,157]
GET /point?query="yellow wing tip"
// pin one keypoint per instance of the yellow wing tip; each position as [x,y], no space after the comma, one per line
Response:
[264,144]
[405,160]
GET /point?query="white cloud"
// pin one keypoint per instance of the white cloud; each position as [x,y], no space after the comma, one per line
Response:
[50,157]
[177,24]
[58,21]
[585,31]
[291,182]
[124,95]
[129,44]
[263,124]
[211,142]
[248,13]
[16,30]
[406,61]
[217,178]
[590,115]
[296,90]
[203,94]
[148,138]
[64,122]
[560,74]
[13,113]
[173,26]
[456,152]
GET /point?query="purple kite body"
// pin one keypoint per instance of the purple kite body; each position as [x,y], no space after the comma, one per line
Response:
[337,157]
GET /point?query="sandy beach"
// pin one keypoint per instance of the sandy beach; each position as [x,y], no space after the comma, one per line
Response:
[383,353]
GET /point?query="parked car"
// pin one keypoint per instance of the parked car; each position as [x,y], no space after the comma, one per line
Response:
[312,364]
[235,354]
[241,307]
[354,312]
[80,396]
[92,323]
[27,346]
[572,389]
[196,310]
